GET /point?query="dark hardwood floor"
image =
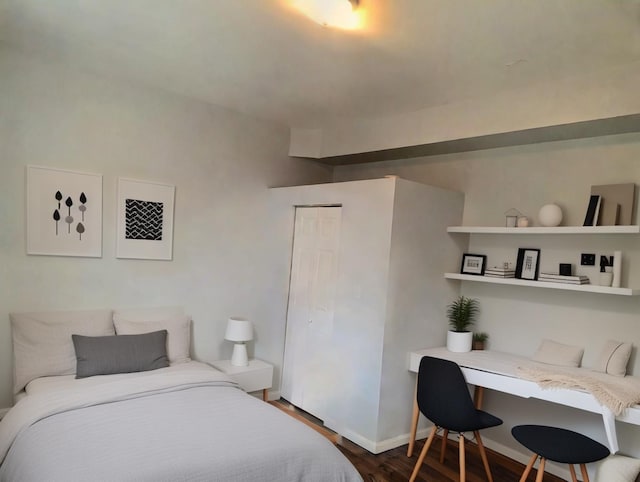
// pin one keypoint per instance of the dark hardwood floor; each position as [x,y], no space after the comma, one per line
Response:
[394,465]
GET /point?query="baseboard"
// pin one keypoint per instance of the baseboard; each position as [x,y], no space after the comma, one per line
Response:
[370,445]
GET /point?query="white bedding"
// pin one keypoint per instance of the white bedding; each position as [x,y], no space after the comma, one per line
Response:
[184,422]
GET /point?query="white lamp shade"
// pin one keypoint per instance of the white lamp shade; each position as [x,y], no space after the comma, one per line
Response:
[239,329]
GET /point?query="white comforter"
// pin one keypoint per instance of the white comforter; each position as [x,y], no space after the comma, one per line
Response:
[183,423]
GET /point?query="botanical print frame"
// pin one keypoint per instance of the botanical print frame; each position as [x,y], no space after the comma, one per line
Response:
[473,264]
[64,212]
[145,220]
[528,264]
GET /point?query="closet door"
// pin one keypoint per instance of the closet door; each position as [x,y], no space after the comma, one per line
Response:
[306,379]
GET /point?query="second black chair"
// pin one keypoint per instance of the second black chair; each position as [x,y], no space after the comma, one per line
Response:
[443,397]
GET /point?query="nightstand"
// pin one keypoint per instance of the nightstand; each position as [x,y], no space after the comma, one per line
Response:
[257,376]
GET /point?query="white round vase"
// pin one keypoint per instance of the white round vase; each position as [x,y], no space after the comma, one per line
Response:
[550,215]
[459,341]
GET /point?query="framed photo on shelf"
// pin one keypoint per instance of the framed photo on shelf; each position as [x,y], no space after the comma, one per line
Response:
[473,264]
[528,264]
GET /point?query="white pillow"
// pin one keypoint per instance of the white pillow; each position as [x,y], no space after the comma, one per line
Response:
[614,358]
[554,353]
[618,468]
[42,343]
[178,328]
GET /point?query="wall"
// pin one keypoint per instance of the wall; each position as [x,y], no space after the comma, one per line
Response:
[221,163]
[527,177]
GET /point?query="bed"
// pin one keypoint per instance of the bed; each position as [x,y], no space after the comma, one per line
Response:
[182,422]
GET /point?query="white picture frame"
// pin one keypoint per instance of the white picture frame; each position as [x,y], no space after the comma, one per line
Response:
[63,212]
[144,220]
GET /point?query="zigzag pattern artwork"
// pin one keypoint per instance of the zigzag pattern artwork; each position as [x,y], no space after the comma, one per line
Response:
[143,219]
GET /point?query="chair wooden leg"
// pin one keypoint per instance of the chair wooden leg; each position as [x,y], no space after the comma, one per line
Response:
[445,436]
[585,475]
[573,473]
[483,454]
[528,468]
[540,470]
[463,466]
[414,424]
[423,454]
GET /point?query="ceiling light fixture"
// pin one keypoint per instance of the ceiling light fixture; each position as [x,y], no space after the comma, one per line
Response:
[331,13]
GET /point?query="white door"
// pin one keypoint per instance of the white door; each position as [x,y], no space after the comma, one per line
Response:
[314,269]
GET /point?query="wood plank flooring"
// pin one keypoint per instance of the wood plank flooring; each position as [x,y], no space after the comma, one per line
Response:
[394,465]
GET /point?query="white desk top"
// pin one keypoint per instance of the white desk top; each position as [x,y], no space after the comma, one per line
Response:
[486,360]
[498,371]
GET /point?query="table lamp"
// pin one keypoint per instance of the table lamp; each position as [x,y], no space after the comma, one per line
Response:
[240,331]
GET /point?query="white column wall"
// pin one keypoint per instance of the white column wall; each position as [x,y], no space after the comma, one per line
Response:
[421,250]
[360,306]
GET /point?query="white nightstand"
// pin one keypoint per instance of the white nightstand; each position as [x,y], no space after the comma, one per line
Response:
[257,376]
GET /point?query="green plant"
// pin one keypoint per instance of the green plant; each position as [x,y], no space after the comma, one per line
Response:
[482,336]
[462,313]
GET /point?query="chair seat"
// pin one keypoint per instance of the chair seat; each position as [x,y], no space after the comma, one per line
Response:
[560,445]
[480,421]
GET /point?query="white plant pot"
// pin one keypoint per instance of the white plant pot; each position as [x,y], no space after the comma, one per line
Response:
[459,342]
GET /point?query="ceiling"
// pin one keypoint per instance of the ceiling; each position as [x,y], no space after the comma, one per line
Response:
[264,58]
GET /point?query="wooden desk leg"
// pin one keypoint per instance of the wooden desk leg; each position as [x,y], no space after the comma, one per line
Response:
[478,395]
[265,394]
[414,424]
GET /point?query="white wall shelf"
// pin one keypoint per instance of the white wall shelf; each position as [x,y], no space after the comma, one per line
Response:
[542,230]
[544,284]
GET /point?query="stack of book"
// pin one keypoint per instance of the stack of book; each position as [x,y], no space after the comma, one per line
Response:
[558,278]
[498,272]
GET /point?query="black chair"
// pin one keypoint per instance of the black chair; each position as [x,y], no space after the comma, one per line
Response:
[443,397]
[560,445]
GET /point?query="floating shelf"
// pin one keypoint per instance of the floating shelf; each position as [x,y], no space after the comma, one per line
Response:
[541,230]
[544,284]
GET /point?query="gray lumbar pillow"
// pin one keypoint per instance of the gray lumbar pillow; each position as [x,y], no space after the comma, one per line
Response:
[106,355]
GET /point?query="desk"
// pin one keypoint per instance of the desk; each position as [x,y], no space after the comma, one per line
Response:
[498,371]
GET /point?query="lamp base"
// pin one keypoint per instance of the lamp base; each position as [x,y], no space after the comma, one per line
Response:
[239,356]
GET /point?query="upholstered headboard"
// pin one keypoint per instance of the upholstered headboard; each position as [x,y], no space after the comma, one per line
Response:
[42,343]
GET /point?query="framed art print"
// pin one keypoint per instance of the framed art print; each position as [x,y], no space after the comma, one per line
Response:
[64,212]
[473,264]
[145,220]
[528,264]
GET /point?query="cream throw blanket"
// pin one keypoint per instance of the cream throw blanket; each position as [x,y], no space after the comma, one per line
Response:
[615,393]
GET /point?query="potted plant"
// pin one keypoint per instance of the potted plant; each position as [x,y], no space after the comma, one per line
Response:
[479,340]
[462,315]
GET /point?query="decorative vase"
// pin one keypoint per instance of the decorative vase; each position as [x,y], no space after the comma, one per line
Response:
[477,345]
[459,341]
[606,278]
[550,215]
